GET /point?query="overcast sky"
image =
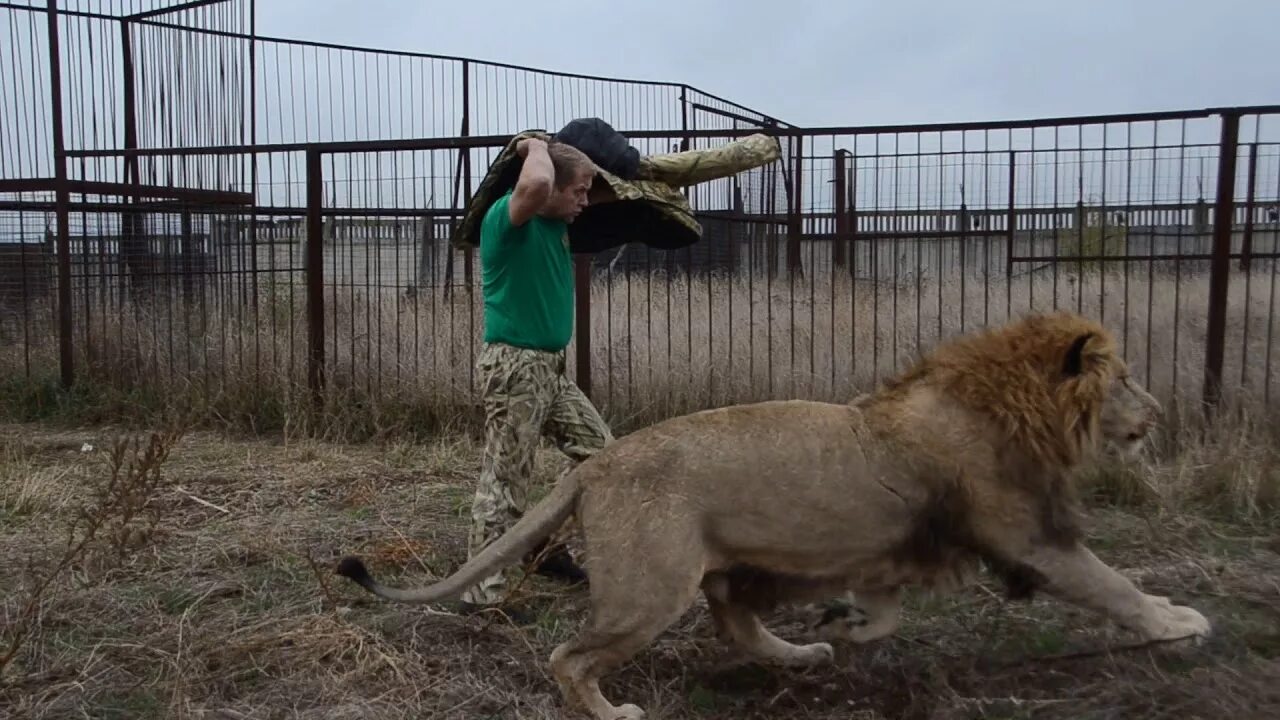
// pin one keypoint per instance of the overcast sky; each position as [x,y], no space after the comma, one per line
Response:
[856,62]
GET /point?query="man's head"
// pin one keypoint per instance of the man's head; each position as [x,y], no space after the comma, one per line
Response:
[574,175]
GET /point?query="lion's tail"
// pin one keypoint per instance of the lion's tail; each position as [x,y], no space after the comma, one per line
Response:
[537,524]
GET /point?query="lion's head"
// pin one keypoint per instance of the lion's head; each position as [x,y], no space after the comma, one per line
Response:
[1129,414]
[1099,403]
[1054,383]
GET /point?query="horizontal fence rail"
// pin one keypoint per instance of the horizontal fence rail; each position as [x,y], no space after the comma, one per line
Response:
[295,248]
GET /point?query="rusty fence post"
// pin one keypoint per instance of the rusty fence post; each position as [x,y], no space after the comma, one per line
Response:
[839,256]
[1011,219]
[133,243]
[1220,260]
[464,169]
[582,315]
[62,204]
[795,219]
[1246,245]
[313,261]
[684,122]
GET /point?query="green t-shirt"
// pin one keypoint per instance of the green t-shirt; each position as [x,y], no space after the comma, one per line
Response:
[527,275]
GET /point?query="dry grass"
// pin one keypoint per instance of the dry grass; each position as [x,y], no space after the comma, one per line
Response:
[230,611]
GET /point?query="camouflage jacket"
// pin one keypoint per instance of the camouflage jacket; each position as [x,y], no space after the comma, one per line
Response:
[649,208]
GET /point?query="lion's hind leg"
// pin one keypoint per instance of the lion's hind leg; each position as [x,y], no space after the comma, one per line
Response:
[615,632]
[638,589]
[739,625]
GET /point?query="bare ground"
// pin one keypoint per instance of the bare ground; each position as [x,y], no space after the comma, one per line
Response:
[228,609]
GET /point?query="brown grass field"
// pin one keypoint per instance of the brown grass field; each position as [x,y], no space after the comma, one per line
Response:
[198,583]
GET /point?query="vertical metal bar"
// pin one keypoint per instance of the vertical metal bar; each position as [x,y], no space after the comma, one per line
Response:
[457,183]
[1081,214]
[943,240]
[839,256]
[919,224]
[468,269]
[1128,222]
[813,264]
[689,285]
[684,122]
[1177,260]
[794,224]
[1102,233]
[1246,249]
[253,176]
[853,265]
[1246,245]
[66,357]
[129,110]
[582,299]
[314,264]
[468,257]
[131,247]
[1219,264]
[987,222]
[895,223]
[187,251]
[1011,220]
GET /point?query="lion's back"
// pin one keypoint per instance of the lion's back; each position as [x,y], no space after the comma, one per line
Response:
[723,446]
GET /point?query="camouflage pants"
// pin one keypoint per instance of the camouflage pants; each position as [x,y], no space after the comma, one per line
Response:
[525,396]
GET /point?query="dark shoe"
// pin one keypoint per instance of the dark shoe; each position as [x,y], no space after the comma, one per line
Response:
[518,615]
[560,566]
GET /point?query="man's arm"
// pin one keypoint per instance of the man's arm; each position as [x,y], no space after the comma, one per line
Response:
[533,187]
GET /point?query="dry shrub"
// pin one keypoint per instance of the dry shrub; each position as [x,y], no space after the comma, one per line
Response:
[1226,466]
[116,521]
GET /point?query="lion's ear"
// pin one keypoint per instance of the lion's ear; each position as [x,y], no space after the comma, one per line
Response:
[1073,364]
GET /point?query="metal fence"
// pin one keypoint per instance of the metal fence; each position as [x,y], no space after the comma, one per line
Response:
[222,212]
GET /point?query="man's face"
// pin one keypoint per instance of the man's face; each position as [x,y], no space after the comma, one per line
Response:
[567,202]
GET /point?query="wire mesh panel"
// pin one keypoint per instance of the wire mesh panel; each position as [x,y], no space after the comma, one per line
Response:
[27,287]
[191,293]
[401,319]
[913,235]
[683,328]
[133,74]
[185,136]
[25,139]
[1250,312]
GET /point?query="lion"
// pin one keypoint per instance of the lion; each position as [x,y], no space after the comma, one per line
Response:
[963,461]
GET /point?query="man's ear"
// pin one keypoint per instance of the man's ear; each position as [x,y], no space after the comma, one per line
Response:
[1073,363]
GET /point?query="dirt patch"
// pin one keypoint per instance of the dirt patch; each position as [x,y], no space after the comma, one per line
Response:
[231,611]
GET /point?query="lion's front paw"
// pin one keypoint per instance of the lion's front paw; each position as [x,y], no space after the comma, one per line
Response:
[1189,621]
[1173,622]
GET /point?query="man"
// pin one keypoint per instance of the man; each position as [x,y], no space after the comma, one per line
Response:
[527,273]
